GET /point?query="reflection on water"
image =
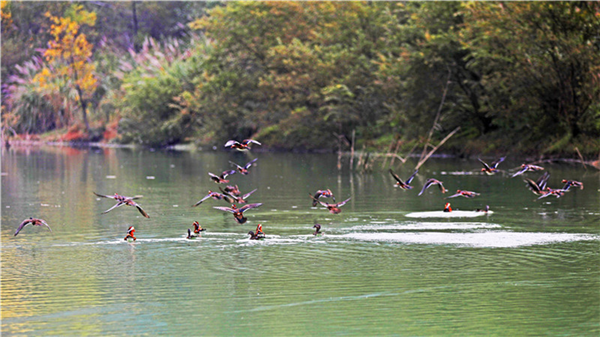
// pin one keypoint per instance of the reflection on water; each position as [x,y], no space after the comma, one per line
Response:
[530,268]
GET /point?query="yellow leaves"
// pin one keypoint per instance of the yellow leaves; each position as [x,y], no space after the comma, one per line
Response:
[5,14]
[427,36]
[69,51]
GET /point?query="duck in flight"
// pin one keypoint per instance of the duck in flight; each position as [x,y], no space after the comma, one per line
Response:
[461,193]
[237,199]
[431,182]
[243,146]
[526,168]
[244,169]
[538,187]
[221,179]
[122,200]
[321,194]
[238,213]
[490,169]
[569,183]
[33,222]
[233,190]
[403,185]
[118,197]
[216,196]
[334,208]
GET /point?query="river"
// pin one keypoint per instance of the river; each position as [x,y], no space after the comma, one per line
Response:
[532,267]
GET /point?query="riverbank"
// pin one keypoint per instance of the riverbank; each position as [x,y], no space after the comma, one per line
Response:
[365,160]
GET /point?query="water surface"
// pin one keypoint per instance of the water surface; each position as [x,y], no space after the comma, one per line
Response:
[530,268]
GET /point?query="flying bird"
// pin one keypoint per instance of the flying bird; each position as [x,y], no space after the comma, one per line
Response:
[321,194]
[238,213]
[491,169]
[33,222]
[403,185]
[214,195]
[244,169]
[244,145]
[334,208]
[237,199]
[118,197]
[221,179]
[527,167]
[538,187]
[569,183]
[461,193]
[430,182]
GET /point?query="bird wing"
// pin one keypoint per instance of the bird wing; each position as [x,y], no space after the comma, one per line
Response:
[441,186]
[454,196]
[248,194]
[45,224]
[104,196]
[250,163]
[238,166]
[213,175]
[230,143]
[340,204]
[484,164]
[426,186]
[543,180]
[532,185]
[396,177]
[249,141]
[226,209]
[23,224]
[411,177]
[201,200]
[249,206]
[519,173]
[495,164]
[119,204]
[141,210]
[227,173]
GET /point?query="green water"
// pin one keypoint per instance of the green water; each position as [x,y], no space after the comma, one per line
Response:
[530,268]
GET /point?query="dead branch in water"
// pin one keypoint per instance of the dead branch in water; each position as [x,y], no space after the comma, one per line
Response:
[593,164]
[437,117]
[423,160]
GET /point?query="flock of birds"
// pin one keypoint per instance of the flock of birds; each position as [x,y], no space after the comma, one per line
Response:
[232,195]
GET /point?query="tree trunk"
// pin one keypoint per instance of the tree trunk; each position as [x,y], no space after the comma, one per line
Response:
[135,26]
[83,103]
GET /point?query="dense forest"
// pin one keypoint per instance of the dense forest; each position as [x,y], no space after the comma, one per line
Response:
[506,77]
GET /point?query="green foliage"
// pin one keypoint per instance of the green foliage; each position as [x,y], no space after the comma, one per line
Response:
[151,83]
[515,76]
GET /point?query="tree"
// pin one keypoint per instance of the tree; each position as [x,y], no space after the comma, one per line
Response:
[70,54]
[540,61]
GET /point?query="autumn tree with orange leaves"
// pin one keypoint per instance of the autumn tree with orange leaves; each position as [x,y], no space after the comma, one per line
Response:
[69,54]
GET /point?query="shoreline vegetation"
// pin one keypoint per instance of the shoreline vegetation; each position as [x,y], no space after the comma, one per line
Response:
[362,161]
[381,80]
